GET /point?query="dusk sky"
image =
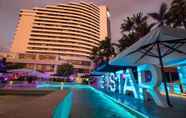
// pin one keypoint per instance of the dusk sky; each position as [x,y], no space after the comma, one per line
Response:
[119,9]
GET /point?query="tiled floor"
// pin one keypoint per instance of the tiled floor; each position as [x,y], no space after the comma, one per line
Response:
[30,107]
[11,102]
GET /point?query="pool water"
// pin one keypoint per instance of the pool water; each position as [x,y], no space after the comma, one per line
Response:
[87,103]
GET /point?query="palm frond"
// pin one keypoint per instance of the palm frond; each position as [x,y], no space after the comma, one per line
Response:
[163,9]
[155,16]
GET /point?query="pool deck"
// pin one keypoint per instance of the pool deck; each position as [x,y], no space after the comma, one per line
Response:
[25,91]
[37,107]
[177,111]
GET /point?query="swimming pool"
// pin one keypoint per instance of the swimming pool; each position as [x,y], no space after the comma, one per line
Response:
[87,102]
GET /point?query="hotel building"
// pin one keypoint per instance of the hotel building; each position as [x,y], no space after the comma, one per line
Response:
[69,31]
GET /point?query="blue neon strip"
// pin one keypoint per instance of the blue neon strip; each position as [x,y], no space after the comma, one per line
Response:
[63,109]
[105,96]
[118,102]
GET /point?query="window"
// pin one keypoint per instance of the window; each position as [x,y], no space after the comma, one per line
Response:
[27,56]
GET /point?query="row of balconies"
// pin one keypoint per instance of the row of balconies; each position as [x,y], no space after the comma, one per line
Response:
[65,36]
[62,29]
[67,12]
[71,33]
[64,40]
[65,24]
[70,21]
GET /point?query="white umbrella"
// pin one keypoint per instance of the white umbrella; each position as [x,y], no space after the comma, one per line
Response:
[170,37]
[161,46]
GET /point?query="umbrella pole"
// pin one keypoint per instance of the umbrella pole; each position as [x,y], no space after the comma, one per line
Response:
[162,73]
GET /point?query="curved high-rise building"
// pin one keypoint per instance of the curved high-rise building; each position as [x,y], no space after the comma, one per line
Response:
[69,30]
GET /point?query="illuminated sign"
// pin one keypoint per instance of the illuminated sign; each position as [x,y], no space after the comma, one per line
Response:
[124,82]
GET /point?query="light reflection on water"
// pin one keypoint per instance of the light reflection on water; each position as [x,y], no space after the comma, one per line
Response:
[88,103]
[100,105]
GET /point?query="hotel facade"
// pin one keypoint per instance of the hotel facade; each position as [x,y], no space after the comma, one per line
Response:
[68,31]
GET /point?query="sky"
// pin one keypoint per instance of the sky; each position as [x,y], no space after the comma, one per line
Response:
[119,10]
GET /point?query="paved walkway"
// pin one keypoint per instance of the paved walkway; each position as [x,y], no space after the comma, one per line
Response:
[41,107]
[25,91]
[11,102]
[177,111]
[87,104]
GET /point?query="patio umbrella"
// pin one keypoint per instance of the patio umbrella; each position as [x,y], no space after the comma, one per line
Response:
[30,72]
[39,74]
[161,46]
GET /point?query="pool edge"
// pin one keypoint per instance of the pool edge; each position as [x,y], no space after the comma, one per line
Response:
[131,110]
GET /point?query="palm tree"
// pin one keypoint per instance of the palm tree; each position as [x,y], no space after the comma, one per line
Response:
[126,41]
[131,23]
[127,25]
[143,29]
[177,13]
[161,16]
[141,26]
[132,29]
[139,19]
[96,55]
[103,52]
[106,48]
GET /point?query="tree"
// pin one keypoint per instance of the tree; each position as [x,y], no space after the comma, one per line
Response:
[125,41]
[95,55]
[65,70]
[103,52]
[162,16]
[132,29]
[127,25]
[177,13]
[106,49]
